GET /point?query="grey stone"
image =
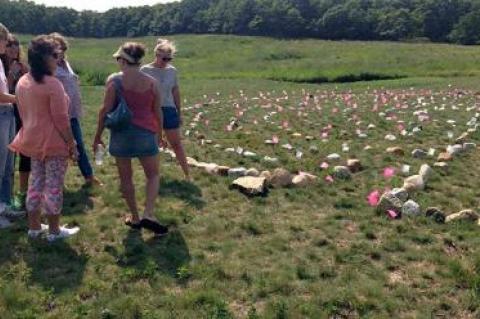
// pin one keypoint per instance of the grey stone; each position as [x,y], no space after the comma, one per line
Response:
[419,153]
[342,172]
[400,193]
[411,208]
[436,214]
[252,172]
[237,172]
[426,172]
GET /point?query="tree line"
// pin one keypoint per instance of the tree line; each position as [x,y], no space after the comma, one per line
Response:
[456,21]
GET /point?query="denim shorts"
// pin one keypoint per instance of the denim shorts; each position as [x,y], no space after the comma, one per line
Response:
[133,141]
[171,120]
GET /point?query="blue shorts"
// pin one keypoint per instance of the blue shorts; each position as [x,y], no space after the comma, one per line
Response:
[133,142]
[171,120]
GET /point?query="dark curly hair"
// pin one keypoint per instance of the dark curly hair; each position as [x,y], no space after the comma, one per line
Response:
[135,50]
[40,49]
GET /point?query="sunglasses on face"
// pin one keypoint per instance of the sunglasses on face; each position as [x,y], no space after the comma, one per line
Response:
[10,45]
[165,58]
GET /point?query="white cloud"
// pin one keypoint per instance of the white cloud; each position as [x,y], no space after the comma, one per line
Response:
[100,5]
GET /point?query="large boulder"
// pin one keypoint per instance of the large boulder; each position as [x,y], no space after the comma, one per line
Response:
[250,185]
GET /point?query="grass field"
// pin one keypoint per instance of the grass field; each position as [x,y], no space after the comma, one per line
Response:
[317,252]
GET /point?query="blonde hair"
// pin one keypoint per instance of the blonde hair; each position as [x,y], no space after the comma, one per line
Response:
[164,45]
[3,32]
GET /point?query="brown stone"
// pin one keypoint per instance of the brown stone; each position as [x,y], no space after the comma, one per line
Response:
[444,157]
[354,165]
[396,150]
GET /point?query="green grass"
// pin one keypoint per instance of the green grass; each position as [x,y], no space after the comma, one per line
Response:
[318,252]
[203,57]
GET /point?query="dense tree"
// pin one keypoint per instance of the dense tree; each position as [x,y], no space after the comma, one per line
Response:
[437,20]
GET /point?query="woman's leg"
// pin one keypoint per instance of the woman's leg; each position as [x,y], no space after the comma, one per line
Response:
[35,194]
[83,161]
[55,169]
[7,133]
[127,187]
[150,167]
[175,140]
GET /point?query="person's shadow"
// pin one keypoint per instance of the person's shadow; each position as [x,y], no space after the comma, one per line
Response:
[183,190]
[77,201]
[55,265]
[168,255]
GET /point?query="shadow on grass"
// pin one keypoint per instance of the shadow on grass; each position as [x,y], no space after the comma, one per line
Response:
[55,266]
[183,190]
[168,255]
[77,201]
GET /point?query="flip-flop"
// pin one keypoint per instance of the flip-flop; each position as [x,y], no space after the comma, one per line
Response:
[154,226]
[131,224]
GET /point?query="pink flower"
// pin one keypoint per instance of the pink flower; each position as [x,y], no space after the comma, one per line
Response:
[392,214]
[275,139]
[388,172]
[373,198]
[324,165]
[329,179]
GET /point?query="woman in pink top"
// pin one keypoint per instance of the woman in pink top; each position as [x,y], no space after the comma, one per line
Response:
[46,137]
[141,138]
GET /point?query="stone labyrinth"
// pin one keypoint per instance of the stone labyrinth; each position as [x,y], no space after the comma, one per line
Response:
[398,139]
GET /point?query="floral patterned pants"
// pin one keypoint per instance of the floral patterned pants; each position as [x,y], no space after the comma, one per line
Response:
[46,185]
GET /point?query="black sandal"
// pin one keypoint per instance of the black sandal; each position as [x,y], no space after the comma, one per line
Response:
[154,226]
[132,225]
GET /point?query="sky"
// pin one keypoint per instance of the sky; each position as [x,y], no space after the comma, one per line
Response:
[98,5]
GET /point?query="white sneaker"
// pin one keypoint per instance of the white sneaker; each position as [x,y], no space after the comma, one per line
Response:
[4,222]
[34,234]
[64,233]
